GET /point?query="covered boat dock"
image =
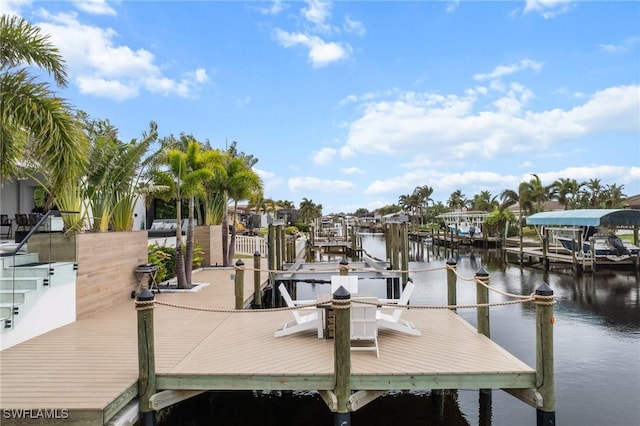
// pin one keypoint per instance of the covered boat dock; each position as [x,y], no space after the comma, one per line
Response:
[588,225]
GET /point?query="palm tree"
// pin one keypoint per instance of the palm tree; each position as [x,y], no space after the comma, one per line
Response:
[309,210]
[183,183]
[457,200]
[37,128]
[423,193]
[484,202]
[566,191]
[594,189]
[613,197]
[236,181]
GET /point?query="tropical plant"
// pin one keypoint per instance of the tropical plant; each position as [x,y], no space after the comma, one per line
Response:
[309,211]
[566,191]
[457,200]
[37,129]
[181,182]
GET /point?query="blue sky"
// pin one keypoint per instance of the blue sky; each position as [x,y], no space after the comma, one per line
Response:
[352,104]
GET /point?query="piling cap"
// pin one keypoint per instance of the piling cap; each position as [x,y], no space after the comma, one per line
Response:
[256,254]
[342,294]
[239,262]
[344,261]
[451,261]
[544,290]
[145,295]
[482,272]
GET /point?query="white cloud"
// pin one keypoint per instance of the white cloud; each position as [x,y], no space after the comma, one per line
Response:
[13,7]
[353,26]
[352,171]
[276,7]
[324,156]
[306,184]
[111,89]
[623,47]
[452,6]
[449,125]
[96,62]
[318,12]
[548,8]
[95,7]
[503,70]
[321,53]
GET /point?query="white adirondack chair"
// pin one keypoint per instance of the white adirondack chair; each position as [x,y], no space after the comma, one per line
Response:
[349,282]
[300,322]
[393,321]
[364,328]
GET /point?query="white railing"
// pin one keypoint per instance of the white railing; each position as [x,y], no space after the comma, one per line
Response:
[249,245]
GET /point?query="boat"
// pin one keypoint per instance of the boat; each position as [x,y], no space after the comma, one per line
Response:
[609,246]
[465,229]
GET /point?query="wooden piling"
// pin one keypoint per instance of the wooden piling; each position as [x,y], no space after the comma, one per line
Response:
[404,247]
[482,297]
[145,302]
[452,295]
[342,355]
[271,261]
[545,380]
[257,291]
[239,284]
[344,267]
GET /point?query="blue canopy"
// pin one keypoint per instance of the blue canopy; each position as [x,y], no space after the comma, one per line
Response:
[587,217]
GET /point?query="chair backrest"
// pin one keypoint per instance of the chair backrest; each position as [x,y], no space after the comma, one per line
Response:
[289,301]
[364,325]
[4,219]
[349,282]
[403,300]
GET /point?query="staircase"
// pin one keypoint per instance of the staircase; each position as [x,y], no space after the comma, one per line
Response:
[36,296]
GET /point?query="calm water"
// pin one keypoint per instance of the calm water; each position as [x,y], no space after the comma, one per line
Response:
[597,353]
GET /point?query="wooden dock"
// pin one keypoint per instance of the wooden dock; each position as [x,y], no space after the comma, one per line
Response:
[87,372]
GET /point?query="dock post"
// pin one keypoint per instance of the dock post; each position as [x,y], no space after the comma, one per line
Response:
[545,381]
[145,302]
[482,297]
[239,284]
[404,250]
[257,291]
[342,356]
[452,297]
[344,267]
[271,253]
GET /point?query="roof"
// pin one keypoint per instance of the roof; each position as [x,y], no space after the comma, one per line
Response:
[587,217]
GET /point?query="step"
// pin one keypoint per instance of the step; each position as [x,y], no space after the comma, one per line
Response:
[6,308]
[20,283]
[16,297]
[54,273]
[18,259]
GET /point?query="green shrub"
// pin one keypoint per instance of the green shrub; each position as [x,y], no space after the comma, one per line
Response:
[164,259]
[291,230]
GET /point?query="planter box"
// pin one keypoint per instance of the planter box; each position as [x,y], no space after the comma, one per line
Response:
[210,238]
[106,265]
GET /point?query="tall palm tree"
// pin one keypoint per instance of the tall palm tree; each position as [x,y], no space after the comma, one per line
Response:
[37,128]
[183,183]
[566,191]
[423,193]
[594,188]
[236,181]
[457,200]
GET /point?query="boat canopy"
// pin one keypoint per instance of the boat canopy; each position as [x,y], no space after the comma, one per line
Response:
[587,217]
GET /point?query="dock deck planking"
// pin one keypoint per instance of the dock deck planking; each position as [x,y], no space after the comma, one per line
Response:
[90,366]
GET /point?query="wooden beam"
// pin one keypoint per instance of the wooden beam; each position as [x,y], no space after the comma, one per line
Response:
[169,397]
[529,396]
[246,382]
[330,398]
[361,398]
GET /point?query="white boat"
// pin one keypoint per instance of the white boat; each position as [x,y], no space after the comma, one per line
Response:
[465,229]
[609,246]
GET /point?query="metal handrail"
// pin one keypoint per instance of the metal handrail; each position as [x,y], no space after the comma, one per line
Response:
[33,231]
